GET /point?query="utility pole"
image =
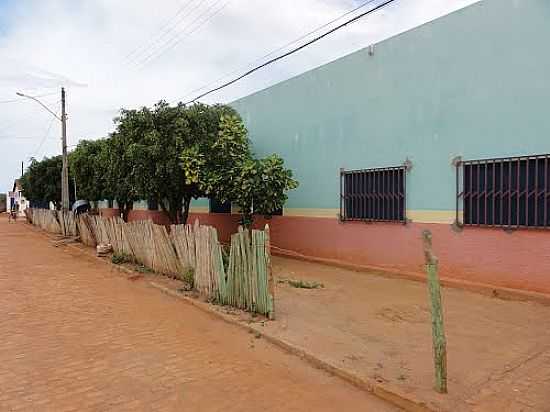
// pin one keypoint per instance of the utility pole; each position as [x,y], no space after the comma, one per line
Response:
[65,169]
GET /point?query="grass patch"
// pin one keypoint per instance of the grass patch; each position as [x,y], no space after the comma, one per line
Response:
[302,284]
[143,269]
[188,277]
[120,258]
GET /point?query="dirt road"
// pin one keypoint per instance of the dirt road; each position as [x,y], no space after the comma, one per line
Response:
[76,336]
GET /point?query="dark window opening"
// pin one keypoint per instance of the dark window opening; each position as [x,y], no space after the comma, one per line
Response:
[152,204]
[373,194]
[506,192]
[215,206]
[110,203]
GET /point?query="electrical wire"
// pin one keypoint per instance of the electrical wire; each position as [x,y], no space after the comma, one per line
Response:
[163,32]
[167,22]
[45,135]
[25,99]
[282,56]
[277,50]
[179,37]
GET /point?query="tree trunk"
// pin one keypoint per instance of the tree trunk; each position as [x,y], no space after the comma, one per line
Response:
[124,209]
[185,213]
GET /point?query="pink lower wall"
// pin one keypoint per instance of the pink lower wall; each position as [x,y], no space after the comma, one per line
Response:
[517,260]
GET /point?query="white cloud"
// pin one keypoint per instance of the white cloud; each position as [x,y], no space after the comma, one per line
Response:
[84,46]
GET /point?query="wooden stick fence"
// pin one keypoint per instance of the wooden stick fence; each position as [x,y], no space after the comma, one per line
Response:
[246,282]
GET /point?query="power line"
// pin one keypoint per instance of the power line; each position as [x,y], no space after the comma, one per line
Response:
[282,56]
[178,38]
[45,135]
[23,100]
[143,48]
[278,49]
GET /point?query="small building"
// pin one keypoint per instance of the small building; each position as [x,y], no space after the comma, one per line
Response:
[16,201]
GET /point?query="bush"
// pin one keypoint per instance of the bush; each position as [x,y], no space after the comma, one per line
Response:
[120,258]
[188,277]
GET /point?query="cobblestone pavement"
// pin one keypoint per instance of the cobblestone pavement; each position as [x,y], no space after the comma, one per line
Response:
[76,336]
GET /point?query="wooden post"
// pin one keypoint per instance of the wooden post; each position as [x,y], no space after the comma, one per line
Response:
[270,278]
[438,331]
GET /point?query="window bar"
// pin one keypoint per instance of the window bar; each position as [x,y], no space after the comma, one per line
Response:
[485,195]
[518,190]
[457,191]
[526,191]
[477,193]
[404,194]
[353,191]
[501,194]
[384,192]
[545,203]
[494,190]
[342,213]
[536,193]
[510,194]
[470,194]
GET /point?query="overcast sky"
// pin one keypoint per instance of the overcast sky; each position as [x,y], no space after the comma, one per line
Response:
[112,54]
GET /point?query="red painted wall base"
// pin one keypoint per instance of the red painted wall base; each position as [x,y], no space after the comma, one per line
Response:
[517,260]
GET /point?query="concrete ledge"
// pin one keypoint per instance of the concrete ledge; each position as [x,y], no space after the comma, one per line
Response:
[480,288]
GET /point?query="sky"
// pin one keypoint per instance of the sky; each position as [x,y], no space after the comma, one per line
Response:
[114,54]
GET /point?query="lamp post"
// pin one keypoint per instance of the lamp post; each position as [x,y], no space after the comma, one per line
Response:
[65,170]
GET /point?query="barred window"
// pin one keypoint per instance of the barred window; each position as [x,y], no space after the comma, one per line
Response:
[373,194]
[505,192]
[215,206]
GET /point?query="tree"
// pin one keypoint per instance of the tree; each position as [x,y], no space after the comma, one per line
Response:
[88,164]
[41,182]
[230,173]
[154,141]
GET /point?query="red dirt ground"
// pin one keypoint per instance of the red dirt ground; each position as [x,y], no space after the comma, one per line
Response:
[76,336]
[379,328]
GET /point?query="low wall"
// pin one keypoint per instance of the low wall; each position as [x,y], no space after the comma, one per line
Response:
[518,259]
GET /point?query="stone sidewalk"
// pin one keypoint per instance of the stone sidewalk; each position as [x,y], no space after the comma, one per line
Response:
[378,329]
[77,336]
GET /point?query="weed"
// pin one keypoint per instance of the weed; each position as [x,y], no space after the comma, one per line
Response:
[188,277]
[144,269]
[120,258]
[302,284]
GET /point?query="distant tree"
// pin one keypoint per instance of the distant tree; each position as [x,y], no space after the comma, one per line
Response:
[41,182]
[88,164]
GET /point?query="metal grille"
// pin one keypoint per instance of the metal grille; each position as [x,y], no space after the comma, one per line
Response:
[507,192]
[376,195]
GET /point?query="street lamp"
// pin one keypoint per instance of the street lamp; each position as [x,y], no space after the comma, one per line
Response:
[63,120]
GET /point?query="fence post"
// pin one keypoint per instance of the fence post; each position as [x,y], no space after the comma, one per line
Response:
[270,278]
[438,331]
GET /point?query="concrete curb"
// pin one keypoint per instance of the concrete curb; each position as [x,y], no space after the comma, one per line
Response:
[383,391]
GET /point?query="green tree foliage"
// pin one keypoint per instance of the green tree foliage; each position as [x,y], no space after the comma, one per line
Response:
[42,181]
[153,141]
[230,173]
[88,164]
[170,154]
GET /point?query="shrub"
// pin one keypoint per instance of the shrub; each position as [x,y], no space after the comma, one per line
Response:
[188,277]
[120,258]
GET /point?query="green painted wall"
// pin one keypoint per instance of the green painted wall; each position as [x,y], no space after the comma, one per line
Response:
[475,83]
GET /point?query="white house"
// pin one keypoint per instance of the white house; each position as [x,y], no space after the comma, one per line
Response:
[15,199]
